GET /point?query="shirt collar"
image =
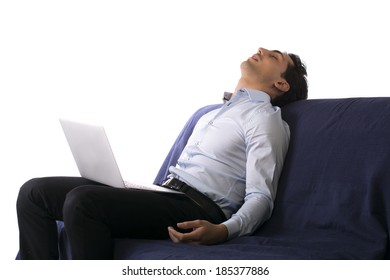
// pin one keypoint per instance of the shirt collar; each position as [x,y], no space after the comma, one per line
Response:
[253,94]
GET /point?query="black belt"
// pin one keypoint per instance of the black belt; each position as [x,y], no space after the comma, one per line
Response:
[209,206]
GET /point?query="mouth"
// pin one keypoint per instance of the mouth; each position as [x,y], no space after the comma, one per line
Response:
[256,57]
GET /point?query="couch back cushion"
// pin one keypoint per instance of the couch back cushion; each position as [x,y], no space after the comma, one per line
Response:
[333,198]
[335,183]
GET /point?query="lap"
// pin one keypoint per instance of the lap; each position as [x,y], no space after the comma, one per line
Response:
[135,213]
[50,193]
[138,213]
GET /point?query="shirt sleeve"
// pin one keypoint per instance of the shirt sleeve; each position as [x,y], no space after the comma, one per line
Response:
[267,137]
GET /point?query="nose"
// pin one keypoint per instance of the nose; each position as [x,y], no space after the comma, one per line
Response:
[262,51]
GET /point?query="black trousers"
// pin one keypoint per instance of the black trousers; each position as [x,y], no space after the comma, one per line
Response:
[93,215]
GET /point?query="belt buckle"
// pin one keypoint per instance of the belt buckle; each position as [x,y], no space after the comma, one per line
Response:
[172,184]
[167,182]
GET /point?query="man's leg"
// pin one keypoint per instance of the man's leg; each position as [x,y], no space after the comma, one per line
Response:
[39,205]
[94,215]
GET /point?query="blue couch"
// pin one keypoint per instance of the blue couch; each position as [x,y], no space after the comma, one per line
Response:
[333,200]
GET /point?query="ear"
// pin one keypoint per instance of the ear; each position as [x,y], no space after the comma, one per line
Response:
[282,85]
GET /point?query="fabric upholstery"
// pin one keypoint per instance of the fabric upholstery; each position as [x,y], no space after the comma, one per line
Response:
[333,199]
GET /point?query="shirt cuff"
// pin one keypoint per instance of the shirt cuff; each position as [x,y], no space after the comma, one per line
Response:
[233,227]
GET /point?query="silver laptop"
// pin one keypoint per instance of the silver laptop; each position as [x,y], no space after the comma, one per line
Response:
[94,157]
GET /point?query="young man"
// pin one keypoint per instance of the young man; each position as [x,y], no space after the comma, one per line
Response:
[228,173]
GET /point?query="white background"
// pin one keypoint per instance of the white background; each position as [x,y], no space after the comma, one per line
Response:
[142,67]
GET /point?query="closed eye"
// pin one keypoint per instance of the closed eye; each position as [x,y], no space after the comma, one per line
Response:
[276,54]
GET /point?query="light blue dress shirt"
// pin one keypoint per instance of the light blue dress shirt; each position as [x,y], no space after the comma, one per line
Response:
[235,156]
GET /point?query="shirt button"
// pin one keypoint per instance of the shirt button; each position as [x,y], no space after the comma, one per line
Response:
[211,123]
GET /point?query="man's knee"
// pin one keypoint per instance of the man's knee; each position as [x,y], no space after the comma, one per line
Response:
[78,203]
[30,191]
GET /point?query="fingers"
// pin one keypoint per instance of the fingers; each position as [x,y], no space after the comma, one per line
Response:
[178,237]
[174,235]
[190,224]
[203,232]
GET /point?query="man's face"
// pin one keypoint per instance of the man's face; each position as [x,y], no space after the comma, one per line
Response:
[265,67]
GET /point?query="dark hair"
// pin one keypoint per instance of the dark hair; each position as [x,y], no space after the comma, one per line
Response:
[295,75]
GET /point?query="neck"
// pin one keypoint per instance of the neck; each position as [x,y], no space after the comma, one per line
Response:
[242,83]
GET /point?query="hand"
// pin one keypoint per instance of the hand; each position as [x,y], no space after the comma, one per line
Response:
[203,233]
